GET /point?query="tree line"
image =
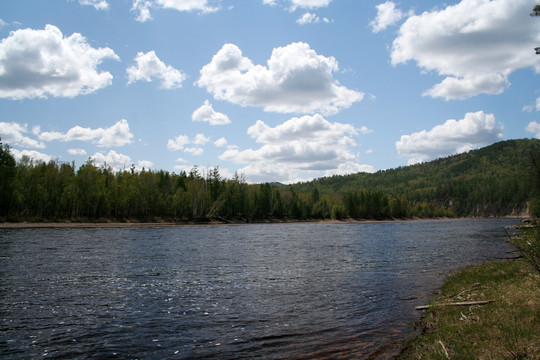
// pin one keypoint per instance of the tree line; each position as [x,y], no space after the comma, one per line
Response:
[33,190]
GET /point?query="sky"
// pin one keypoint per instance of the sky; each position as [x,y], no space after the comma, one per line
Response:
[276,90]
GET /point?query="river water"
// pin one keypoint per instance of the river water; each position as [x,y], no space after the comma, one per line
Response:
[265,291]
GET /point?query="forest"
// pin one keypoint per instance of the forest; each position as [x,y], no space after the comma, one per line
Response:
[498,180]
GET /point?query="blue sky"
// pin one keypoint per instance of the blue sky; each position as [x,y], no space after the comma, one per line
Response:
[278,90]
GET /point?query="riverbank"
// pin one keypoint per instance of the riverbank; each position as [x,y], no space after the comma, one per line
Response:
[506,327]
[135,224]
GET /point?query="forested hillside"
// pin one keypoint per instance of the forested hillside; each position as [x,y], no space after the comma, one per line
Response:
[493,181]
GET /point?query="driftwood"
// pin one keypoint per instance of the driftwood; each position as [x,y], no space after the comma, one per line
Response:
[463,303]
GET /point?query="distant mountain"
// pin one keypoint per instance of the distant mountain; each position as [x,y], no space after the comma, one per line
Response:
[492,181]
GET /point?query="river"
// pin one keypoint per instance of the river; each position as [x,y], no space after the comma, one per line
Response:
[261,291]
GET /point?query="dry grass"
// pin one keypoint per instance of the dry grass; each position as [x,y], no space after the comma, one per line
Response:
[508,328]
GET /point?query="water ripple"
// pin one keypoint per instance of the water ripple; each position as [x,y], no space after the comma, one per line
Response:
[296,291]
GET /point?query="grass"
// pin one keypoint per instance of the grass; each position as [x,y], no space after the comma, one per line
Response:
[508,328]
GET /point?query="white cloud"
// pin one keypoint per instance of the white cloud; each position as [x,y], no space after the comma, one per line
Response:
[76,151]
[178,143]
[454,136]
[146,164]
[150,67]
[37,63]
[207,113]
[365,130]
[32,154]
[97,4]
[530,108]
[350,168]
[221,142]
[13,135]
[194,150]
[475,44]
[116,135]
[294,4]
[187,5]
[295,80]
[200,139]
[387,15]
[527,108]
[181,141]
[310,4]
[304,144]
[309,18]
[534,128]
[142,7]
[112,159]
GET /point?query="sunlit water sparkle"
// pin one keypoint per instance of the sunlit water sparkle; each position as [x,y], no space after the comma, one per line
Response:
[268,291]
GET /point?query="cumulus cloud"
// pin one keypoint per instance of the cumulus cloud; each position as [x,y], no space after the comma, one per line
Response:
[206,113]
[307,143]
[142,10]
[142,7]
[294,4]
[97,4]
[149,67]
[534,128]
[144,164]
[475,45]
[37,63]
[454,136]
[295,80]
[76,151]
[32,154]
[387,15]
[310,4]
[14,134]
[112,159]
[194,150]
[116,135]
[180,142]
[200,139]
[309,18]
[350,168]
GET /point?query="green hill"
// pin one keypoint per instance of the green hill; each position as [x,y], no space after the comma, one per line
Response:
[492,181]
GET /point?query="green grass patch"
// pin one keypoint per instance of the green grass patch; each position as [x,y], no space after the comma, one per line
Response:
[508,328]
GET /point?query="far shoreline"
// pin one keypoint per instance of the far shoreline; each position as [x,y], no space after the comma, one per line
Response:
[159,224]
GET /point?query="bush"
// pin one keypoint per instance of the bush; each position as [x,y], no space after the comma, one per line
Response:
[528,242]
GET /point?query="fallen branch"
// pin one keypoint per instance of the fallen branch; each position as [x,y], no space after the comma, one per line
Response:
[463,303]
[444,348]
